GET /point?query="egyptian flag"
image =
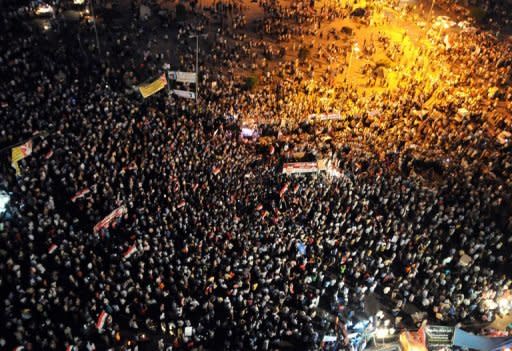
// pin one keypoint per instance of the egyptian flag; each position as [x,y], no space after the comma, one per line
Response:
[131,250]
[284,189]
[48,154]
[105,222]
[19,348]
[216,170]
[80,194]
[181,204]
[102,319]
[52,248]
[70,348]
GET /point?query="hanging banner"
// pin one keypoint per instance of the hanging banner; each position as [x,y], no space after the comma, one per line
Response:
[439,337]
[184,77]
[300,167]
[185,94]
[154,87]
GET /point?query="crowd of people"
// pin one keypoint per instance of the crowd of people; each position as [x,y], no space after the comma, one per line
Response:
[217,249]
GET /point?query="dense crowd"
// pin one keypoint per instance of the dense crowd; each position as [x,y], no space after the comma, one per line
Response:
[228,253]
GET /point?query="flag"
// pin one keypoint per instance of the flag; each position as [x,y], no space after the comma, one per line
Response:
[48,154]
[70,348]
[105,222]
[102,319]
[184,94]
[154,87]
[131,250]
[181,204]
[52,248]
[18,153]
[215,170]
[80,194]
[284,189]
[19,348]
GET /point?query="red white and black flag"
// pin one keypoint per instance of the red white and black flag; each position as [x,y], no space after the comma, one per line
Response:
[105,222]
[80,194]
[102,319]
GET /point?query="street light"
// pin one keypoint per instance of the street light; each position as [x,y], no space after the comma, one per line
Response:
[197,58]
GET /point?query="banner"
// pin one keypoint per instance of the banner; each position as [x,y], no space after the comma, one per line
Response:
[184,94]
[184,77]
[325,116]
[154,87]
[105,222]
[439,337]
[300,167]
[18,153]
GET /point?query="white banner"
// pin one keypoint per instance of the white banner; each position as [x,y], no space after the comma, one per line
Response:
[184,94]
[325,116]
[184,77]
[300,167]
